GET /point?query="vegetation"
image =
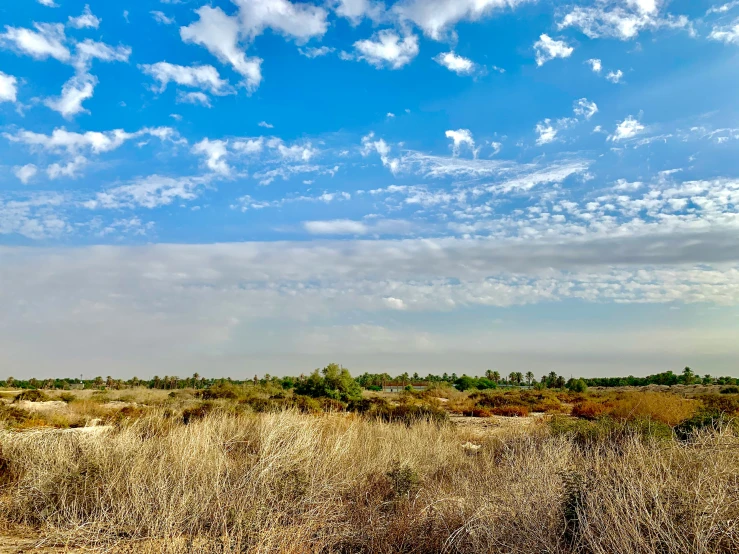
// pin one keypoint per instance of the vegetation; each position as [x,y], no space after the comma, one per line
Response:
[303,464]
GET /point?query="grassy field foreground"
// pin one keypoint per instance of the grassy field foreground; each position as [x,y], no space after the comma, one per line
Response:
[286,481]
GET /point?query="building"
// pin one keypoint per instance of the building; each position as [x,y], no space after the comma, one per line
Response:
[398,386]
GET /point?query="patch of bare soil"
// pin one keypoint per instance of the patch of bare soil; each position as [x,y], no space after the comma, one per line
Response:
[497,424]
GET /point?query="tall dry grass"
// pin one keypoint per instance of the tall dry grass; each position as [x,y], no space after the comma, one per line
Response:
[286,482]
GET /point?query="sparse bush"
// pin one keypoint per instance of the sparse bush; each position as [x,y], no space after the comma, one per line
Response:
[730,390]
[589,410]
[31,395]
[511,411]
[223,391]
[720,403]
[658,406]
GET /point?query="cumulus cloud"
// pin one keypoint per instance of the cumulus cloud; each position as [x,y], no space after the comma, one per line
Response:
[149,192]
[25,173]
[336,227]
[74,92]
[356,10]
[453,62]
[615,76]
[595,64]
[48,3]
[460,137]
[8,88]
[161,18]
[387,49]
[623,20]
[47,41]
[215,152]
[437,17]
[205,77]
[316,52]
[585,108]
[546,131]
[227,37]
[85,21]
[626,129]
[547,49]
[198,98]
[71,169]
[379,146]
[728,34]
[221,35]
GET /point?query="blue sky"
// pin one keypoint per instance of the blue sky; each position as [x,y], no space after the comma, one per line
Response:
[250,186]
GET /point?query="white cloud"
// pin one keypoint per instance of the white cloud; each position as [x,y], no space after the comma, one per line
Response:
[205,77]
[74,92]
[586,108]
[71,169]
[85,21]
[460,137]
[48,3]
[547,49]
[148,192]
[546,131]
[265,125]
[628,128]
[727,34]
[316,52]
[390,115]
[224,35]
[394,303]
[198,98]
[25,173]
[62,140]
[595,64]
[453,62]
[215,152]
[436,17]
[8,88]
[387,48]
[621,19]
[295,153]
[356,10]
[161,17]
[248,147]
[382,148]
[221,35]
[336,227]
[46,41]
[496,146]
[723,8]
[615,76]
[89,50]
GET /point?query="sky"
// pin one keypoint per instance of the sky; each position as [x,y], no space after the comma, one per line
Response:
[242,187]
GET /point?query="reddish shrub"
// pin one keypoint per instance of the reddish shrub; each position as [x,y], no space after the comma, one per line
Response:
[589,410]
[511,411]
[480,412]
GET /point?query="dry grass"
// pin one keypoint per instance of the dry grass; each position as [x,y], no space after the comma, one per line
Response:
[288,482]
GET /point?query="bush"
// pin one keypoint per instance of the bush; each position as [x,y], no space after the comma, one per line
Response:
[658,406]
[730,390]
[577,385]
[32,395]
[724,404]
[511,411]
[222,391]
[588,410]
[704,419]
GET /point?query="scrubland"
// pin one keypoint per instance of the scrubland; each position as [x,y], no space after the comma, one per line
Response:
[253,469]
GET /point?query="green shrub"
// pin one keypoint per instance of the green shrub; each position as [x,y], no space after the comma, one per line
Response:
[221,391]
[404,479]
[704,419]
[730,390]
[31,395]
[577,385]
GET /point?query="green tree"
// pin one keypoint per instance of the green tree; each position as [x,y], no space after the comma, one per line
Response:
[687,377]
[529,377]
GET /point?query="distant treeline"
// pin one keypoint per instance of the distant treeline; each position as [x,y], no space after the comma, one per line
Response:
[375,381]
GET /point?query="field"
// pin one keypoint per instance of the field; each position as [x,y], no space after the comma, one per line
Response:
[253,469]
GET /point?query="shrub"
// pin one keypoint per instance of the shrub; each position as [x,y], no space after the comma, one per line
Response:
[32,395]
[221,391]
[577,385]
[704,419]
[511,411]
[66,397]
[480,412]
[547,405]
[306,404]
[724,404]
[730,390]
[403,478]
[198,412]
[588,410]
[658,406]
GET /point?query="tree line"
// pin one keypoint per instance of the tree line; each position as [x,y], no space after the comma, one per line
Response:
[335,377]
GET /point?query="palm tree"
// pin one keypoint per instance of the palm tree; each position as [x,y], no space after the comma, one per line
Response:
[496,376]
[529,377]
[512,377]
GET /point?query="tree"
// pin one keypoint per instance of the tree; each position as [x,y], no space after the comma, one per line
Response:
[9,382]
[577,385]
[688,377]
[529,377]
[496,377]
[331,382]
